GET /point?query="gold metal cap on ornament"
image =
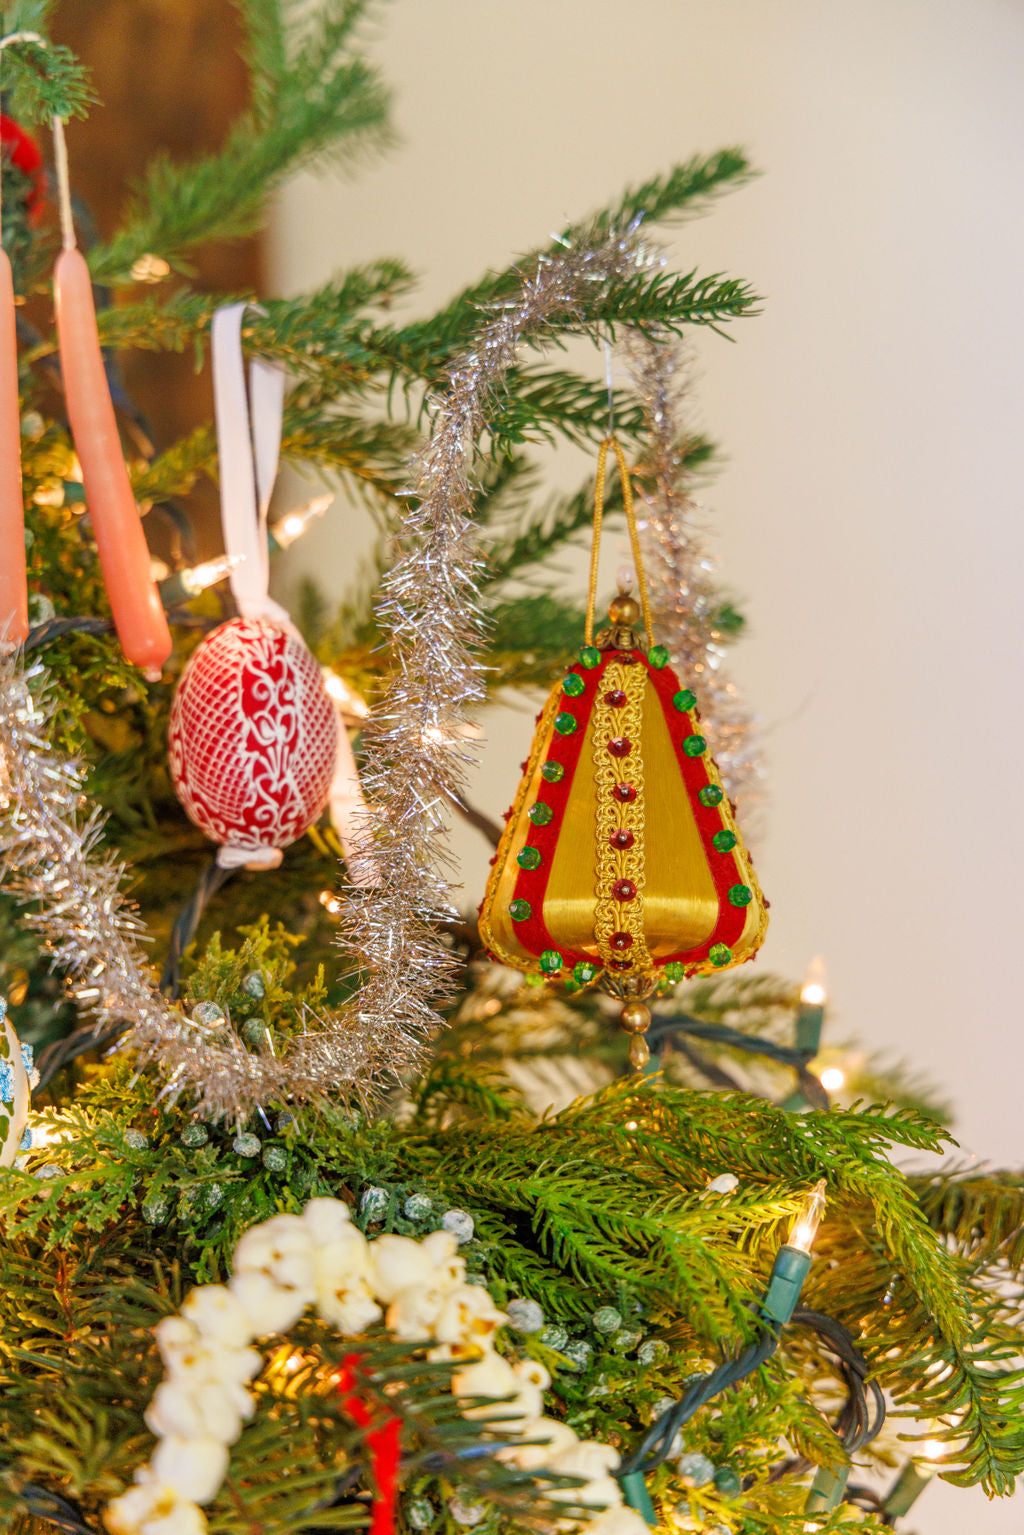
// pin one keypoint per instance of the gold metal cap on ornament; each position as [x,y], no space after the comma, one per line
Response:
[621,861]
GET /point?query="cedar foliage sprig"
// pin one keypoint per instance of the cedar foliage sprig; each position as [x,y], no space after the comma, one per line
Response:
[580,1209]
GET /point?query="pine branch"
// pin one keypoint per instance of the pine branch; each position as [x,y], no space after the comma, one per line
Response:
[684,191]
[373,455]
[314,97]
[668,301]
[532,639]
[541,405]
[43,82]
[540,534]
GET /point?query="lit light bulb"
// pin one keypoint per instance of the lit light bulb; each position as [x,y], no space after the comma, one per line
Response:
[50,493]
[295,523]
[329,901]
[813,992]
[198,577]
[345,695]
[931,1449]
[49,1135]
[439,735]
[804,1228]
[832,1078]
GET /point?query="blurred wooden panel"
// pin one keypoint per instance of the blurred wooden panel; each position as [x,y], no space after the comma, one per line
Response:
[170,80]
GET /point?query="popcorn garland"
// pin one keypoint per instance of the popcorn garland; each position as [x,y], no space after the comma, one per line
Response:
[320,1259]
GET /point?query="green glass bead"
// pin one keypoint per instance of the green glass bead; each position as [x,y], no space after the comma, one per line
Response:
[552,772]
[711,795]
[727,1481]
[551,961]
[520,910]
[657,656]
[584,971]
[573,685]
[740,895]
[540,814]
[571,986]
[684,700]
[695,746]
[590,656]
[724,841]
[719,954]
[529,858]
[565,724]
[675,970]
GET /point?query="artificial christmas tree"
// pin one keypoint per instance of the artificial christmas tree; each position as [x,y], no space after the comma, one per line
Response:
[469,1315]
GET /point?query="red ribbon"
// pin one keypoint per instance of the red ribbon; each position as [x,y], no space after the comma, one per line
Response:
[384,1444]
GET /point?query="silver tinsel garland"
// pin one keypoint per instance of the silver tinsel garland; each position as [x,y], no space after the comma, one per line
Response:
[50,845]
[679,570]
[416,744]
[415,762]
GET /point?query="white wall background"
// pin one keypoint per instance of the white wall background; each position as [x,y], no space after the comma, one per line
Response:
[870,512]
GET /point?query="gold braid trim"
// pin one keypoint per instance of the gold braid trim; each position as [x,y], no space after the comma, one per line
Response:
[611,863]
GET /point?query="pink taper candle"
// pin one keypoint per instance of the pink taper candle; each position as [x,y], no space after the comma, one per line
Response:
[124,557]
[13,587]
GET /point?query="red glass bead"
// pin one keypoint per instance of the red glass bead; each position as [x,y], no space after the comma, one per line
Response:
[622,838]
[615,699]
[626,657]
[623,890]
[620,746]
[624,793]
[620,964]
[621,940]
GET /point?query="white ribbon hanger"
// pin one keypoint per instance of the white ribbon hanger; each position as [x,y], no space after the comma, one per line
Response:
[249,422]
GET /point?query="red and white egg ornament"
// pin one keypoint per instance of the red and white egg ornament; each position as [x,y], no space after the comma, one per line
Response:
[253,740]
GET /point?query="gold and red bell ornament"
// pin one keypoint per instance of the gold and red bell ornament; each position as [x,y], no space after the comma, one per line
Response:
[621,861]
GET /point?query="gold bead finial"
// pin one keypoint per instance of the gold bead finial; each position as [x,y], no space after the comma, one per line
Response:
[635,1018]
[639,1052]
[624,610]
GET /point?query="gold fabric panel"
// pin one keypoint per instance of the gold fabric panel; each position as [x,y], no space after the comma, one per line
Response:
[680,900]
[571,894]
